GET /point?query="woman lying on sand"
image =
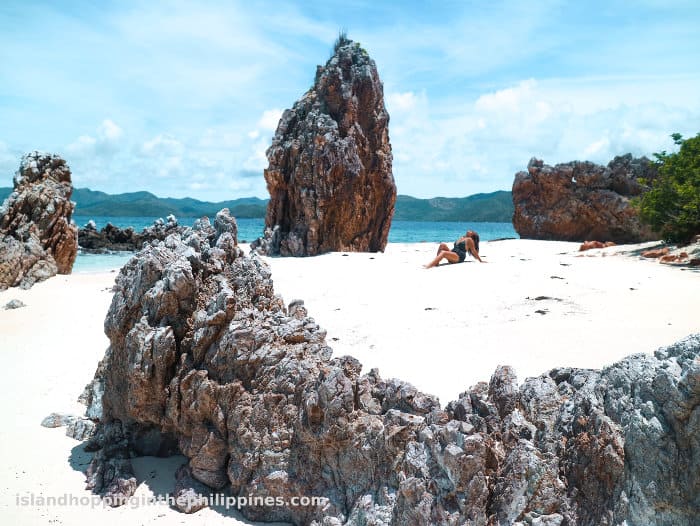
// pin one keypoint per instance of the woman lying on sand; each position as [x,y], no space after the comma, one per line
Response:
[468,243]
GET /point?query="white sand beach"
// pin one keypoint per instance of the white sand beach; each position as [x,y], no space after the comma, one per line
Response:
[446,328]
[441,329]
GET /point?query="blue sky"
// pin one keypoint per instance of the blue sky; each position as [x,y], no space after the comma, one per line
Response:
[182,98]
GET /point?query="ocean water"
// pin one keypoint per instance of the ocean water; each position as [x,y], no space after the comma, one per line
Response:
[401,231]
[251,228]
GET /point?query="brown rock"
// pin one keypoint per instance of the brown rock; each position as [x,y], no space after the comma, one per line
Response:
[656,253]
[329,175]
[581,200]
[674,258]
[588,245]
[37,238]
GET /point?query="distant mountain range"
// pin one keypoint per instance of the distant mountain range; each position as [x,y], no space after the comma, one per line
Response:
[92,203]
[495,207]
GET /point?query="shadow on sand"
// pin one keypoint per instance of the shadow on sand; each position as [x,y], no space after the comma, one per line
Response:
[157,474]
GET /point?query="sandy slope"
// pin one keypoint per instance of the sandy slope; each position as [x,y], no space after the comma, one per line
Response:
[446,328]
[442,329]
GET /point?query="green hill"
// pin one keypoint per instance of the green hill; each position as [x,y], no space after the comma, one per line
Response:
[495,206]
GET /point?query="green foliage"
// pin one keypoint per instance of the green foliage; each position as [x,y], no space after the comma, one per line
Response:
[341,40]
[672,205]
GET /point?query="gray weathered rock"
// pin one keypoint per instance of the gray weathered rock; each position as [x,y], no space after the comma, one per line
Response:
[268,244]
[37,239]
[190,494]
[111,238]
[205,360]
[79,428]
[14,304]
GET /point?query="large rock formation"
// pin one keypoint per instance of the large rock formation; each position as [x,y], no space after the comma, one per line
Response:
[330,180]
[206,360]
[581,201]
[37,239]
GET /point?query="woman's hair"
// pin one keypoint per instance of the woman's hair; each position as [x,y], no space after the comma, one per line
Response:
[475,238]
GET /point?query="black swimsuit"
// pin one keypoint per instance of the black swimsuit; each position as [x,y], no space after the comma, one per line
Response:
[461,250]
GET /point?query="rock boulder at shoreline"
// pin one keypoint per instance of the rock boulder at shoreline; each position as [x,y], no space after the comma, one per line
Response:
[205,360]
[37,239]
[114,239]
[577,201]
[329,175]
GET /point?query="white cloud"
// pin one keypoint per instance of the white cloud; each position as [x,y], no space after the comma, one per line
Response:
[106,140]
[596,146]
[82,144]
[109,131]
[478,147]
[270,119]
[162,144]
[401,101]
[257,160]
[223,137]
[508,99]
[9,162]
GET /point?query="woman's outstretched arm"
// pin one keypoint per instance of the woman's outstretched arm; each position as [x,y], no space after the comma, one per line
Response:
[471,248]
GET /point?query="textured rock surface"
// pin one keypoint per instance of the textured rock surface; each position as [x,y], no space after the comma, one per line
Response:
[581,200]
[206,360]
[190,494]
[268,243]
[14,304]
[37,239]
[111,238]
[329,175]
[589,245]
[77,427]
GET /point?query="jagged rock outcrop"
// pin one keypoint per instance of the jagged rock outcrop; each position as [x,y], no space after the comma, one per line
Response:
[206,360]
[581,200]
[329,175]
[112,238]
[268,243]
[37,239]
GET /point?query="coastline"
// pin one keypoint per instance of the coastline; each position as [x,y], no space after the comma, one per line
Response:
[441,329]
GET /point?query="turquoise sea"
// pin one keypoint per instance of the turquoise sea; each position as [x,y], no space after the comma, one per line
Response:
[251,228]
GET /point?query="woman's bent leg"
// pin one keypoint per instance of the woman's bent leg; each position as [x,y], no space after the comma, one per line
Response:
[443,248]
[443,254]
